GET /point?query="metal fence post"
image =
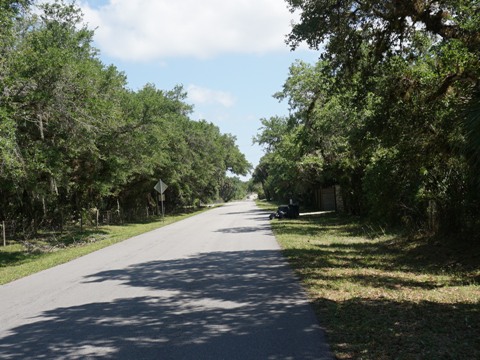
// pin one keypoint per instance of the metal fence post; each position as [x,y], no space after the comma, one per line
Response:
[4,231]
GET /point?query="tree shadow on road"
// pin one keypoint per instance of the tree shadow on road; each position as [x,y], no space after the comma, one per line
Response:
[245,229]
[235,305]
[249,211]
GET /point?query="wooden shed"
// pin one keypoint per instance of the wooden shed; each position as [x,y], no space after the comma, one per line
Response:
[329,198]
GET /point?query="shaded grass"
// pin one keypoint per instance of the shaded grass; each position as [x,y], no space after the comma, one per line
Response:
[385,296]
[50,249]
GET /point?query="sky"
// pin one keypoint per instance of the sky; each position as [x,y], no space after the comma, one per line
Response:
[230,56]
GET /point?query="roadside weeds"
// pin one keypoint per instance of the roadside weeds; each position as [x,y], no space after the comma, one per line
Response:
[383,296]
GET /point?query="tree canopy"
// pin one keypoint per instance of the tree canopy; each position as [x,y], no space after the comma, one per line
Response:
[74,137]
[389,112]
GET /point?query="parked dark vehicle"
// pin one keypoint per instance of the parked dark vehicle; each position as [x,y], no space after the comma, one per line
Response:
[286,211]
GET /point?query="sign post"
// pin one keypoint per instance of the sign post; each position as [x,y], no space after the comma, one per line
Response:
[160,187]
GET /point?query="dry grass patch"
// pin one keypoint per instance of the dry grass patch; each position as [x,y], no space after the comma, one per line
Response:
[382,296]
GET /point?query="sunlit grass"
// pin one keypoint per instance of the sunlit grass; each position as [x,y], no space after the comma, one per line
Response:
[265,205]
[383,296]
[16,261]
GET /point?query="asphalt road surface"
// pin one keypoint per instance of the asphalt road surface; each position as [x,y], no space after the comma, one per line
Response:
[213,286]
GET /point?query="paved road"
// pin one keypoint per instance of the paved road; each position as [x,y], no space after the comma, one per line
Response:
[213,286]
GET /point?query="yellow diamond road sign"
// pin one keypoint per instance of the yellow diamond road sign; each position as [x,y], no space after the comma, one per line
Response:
[160,187]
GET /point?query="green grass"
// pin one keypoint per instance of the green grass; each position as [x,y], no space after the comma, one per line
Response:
[266,205]
[51,249]
[384,296]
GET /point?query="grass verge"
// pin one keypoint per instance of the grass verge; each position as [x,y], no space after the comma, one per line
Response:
[383,296]
[50,249]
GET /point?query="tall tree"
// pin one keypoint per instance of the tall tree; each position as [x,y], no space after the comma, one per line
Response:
[73,137]
[384,113]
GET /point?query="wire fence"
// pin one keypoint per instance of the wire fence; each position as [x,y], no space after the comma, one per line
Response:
[21,229]
[4,233]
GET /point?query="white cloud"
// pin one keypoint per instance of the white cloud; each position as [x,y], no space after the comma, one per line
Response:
[145,30]
[201,95]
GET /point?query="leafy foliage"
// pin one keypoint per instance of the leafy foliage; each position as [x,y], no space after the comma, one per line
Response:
[389,112]
[74,137]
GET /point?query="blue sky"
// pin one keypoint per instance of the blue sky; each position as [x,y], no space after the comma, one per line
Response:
[230,56]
